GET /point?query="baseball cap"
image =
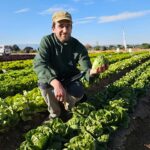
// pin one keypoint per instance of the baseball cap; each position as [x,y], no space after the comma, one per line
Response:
[61,15]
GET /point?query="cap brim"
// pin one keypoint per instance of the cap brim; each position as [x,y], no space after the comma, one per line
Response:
[60,19]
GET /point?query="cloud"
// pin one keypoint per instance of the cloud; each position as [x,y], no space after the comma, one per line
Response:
[53,9]
[22,10]
[85,20]
[123,16]
[85,2]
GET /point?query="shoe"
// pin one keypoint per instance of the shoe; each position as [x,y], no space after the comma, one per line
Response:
[83,99]
[47,119]
[66,115]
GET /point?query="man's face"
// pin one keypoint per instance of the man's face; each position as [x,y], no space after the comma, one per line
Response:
[62,30]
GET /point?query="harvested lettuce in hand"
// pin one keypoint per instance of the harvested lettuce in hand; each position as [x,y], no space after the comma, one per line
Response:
[99,61]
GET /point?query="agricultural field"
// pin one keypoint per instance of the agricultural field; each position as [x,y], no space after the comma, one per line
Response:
[115,116]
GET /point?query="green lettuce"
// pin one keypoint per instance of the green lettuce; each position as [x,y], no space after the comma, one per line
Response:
[99,61]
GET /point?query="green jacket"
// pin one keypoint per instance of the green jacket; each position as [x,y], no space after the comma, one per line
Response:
[56,60]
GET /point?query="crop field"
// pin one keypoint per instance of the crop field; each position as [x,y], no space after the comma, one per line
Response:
[112,105]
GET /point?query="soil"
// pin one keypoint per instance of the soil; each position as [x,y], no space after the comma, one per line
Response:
[139,138]
[12,139]
[137,135]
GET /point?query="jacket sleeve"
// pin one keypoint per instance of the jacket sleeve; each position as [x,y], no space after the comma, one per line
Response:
[84,61]
[41,62]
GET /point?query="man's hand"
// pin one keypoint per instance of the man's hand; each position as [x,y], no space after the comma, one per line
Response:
[98,70]
[59,90]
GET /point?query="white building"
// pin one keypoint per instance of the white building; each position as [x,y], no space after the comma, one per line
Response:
[5,50]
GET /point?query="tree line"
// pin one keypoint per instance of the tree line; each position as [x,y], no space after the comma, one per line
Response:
[113,47]
[15,48]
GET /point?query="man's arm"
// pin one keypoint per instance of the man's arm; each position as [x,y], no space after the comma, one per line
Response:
[42,66]
[45,72]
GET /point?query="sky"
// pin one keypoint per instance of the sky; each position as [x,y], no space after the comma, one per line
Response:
[95,22]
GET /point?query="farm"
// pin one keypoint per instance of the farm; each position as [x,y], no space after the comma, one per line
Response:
[117,106]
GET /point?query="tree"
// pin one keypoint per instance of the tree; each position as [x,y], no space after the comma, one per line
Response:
[97,47]
[103,48]
[28,49]
[145,46]
[88,46]
[112,47]
[15,48]
[120,46]
[130,46]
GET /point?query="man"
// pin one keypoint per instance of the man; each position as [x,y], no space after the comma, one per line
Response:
[56,62]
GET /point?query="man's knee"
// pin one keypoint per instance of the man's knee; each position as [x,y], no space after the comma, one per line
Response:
[76,89]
